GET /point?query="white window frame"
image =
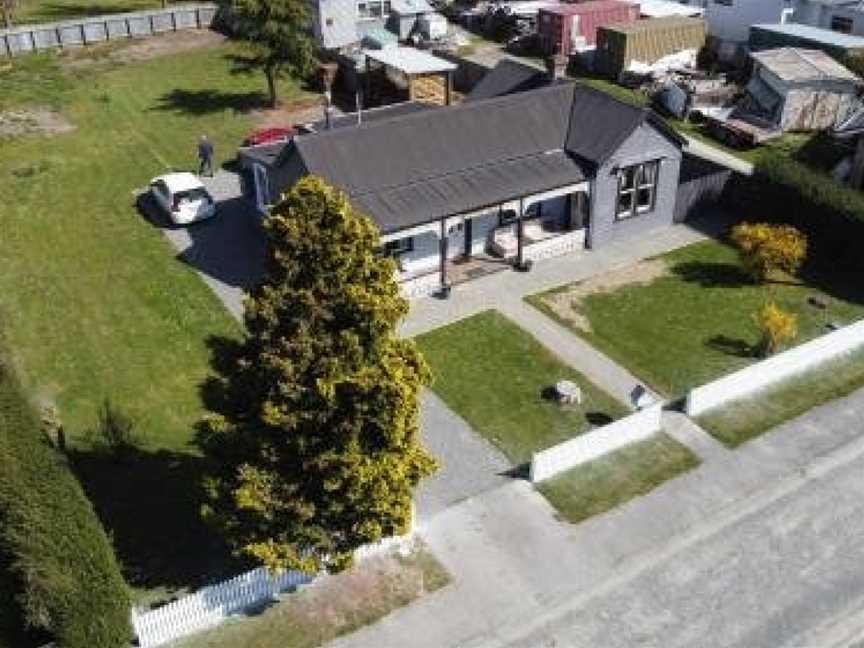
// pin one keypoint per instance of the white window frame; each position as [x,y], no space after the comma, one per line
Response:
[383,7]
[639,185]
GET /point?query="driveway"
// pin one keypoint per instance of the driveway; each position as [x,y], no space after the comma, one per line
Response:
[229,250]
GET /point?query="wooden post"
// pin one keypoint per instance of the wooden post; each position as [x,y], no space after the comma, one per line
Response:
[443,251]
[520,234]
[448,87]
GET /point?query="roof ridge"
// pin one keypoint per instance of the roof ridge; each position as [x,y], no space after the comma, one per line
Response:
[518,97]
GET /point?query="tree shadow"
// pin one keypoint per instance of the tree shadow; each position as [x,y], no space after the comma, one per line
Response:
[712,275]
[149,501]
[205,102]
[732,346]
[598,419]
[215,392]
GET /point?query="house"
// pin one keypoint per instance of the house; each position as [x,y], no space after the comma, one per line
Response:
[803,90]
[508,76]
[339,24]
[842,16]
[729,20]
[485,185]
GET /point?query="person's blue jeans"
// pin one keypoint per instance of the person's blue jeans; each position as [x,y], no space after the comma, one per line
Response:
[205,163]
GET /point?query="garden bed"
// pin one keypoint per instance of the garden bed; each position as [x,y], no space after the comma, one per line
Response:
[690,319]
[498,378]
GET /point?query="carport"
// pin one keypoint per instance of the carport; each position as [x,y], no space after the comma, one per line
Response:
[425,77]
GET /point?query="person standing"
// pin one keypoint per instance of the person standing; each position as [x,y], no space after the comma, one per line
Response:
[205,156]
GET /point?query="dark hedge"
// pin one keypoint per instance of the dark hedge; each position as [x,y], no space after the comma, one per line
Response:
[58,558]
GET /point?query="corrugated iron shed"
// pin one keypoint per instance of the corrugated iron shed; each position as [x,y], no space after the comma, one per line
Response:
[795,65]
[769,36]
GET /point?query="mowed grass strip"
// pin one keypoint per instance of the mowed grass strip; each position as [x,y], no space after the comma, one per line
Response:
[741,420]
[497,377]
[95,304]
[40,11]
[696,323]
[601,485]
[332,606]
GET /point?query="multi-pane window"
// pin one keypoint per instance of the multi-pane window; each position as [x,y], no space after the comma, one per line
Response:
[637,189]
[399,246]
[373,9]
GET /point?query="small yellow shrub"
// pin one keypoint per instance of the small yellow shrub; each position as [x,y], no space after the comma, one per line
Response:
[777,326]
[767,248]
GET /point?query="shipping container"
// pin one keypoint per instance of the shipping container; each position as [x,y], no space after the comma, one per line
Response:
[647,41]
[835,44]
[564,29]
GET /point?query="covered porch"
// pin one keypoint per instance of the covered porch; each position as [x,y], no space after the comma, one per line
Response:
[458,248]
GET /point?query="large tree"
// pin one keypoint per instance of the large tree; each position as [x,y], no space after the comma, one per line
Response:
[279,35]
[317,449]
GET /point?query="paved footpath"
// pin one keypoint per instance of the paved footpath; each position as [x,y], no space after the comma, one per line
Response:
[759,547]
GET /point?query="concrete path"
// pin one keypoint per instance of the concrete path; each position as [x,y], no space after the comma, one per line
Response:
[572,350]
[684,430]
[755,548]
[487,292]
[705,151]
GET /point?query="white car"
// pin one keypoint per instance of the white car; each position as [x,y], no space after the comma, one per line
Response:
[183,198]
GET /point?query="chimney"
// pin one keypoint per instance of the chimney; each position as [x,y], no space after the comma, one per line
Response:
[556,66]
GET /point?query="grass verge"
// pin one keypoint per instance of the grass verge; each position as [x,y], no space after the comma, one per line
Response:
[744,419]
[497,377]
[601,485]
[333,606]
[694,322]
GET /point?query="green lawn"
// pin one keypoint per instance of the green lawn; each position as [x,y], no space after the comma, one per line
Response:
[739,421]
[38,11]
[607,482]
[332,607]
[494,375]
[93,301]
[695,324]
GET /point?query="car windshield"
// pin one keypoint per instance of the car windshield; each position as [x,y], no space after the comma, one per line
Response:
[191,195]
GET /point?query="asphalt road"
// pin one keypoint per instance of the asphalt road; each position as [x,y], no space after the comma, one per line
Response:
[789,572]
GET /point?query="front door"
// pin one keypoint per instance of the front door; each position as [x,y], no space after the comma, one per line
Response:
[456,240]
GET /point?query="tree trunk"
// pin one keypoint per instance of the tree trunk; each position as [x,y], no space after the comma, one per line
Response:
[271,84]
[7,13]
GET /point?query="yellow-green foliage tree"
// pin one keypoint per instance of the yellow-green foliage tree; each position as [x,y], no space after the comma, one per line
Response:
[777,327]
[767,248]
[319,451]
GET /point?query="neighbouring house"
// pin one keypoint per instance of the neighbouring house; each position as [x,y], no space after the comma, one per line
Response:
[664,8]
[802,90]
[843,16]
[339,24]
[729,21]
[838,45]
[463,190]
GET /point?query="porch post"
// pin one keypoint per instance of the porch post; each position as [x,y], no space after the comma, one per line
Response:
[443,251]
[519,234]
[448,88]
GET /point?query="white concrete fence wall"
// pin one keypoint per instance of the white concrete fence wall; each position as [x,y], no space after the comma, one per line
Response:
[27,39]
[775,369]
[555,246]
[596,443]
[210,606]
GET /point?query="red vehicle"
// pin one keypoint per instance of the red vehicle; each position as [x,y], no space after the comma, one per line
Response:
[269,136]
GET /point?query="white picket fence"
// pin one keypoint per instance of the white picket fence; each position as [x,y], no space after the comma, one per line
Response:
[594,444]
[775,369]
[210,606]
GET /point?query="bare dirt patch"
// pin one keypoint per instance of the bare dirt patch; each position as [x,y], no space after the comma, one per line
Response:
[301,111]
[566,303]
[33,121]
[132,50]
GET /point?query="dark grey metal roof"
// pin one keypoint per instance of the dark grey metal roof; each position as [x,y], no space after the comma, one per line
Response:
[417,167]
[507,77]
[265,153]
[399,207]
